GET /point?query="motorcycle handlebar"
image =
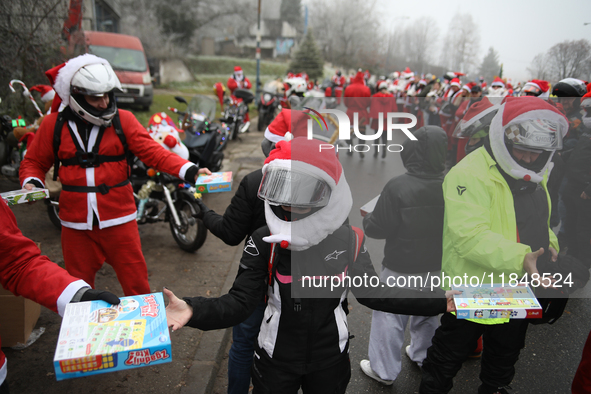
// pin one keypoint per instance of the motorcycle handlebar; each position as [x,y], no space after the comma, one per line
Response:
[176,111]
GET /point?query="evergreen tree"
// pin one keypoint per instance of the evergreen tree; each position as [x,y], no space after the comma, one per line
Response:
[490,65]
[307,58]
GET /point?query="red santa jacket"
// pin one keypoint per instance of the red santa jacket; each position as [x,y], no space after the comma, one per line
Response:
[357,99]
[118,205]
[25,272]
[234,84]
[381,103]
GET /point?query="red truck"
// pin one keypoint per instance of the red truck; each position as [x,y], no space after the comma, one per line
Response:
[128,59]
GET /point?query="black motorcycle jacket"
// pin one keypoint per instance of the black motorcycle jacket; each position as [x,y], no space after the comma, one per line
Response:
[244,215]
[409,212]
[301,333]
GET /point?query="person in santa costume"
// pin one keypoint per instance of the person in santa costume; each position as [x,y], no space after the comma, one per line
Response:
[238,80]
[303,340]
[89,152]
[381,103]
[357,96]
[25,272]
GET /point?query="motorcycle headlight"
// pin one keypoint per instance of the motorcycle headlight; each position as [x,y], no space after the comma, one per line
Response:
[267,97]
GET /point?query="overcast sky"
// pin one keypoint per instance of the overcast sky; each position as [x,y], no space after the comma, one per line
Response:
[517,29]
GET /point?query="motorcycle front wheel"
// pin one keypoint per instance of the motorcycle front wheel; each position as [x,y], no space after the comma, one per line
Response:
[192,233]
[53,211]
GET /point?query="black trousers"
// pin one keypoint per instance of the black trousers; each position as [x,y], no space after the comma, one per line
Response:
[267,378]
[454,341]
[4,387]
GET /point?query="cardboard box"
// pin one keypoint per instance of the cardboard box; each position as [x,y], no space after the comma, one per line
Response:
[23,196]
[96,337]
[214,183]
[497,301]
[369,206]
[18,317]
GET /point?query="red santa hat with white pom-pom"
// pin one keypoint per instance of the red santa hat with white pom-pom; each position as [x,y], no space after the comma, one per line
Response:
[306,156]
[47,93]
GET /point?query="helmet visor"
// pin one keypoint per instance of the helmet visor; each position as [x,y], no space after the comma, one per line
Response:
[530,90]
[535,135]
[282,186]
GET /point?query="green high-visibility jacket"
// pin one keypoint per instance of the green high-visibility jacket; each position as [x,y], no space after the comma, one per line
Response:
[479,228]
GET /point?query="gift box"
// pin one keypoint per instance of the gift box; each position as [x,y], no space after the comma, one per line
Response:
[23,196]
[496,301]
[96,337]
[369,206]
[214,183]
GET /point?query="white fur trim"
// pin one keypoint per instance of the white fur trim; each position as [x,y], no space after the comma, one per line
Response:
[3,370]
[502,155]
[32,178]
[66,73]
[184,168]
[48,96]
[67,295]
[586,102]
[305,233]
[275,138]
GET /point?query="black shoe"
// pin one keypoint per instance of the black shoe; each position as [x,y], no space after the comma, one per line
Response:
[486,389]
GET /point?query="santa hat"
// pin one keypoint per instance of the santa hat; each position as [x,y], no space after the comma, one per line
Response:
[468,87]
[498,82]
[544,87]
[382,85]
[586,99]
[46,91]
[455,82]
[61,76]
[237,69]
[161,119]
[516,110]
[422,82]
[473,117]
[306,156]
[280,126]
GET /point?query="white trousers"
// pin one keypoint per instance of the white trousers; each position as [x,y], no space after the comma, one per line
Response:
[387,335]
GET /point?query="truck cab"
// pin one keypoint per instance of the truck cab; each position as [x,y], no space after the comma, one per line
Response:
[128,59]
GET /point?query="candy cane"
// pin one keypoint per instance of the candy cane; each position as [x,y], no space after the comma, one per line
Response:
[26,93]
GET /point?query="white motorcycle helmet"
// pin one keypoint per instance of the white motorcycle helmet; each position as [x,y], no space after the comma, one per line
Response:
[94,80]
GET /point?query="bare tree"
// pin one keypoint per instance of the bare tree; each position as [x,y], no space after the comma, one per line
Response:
[569,59]
[30,36]
[347,31]
[461,44]
[538,69]
[419,41]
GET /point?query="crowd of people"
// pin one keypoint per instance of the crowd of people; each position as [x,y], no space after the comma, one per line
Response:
[478,198]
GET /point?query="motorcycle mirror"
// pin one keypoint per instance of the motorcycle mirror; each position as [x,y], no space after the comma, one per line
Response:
[180,99]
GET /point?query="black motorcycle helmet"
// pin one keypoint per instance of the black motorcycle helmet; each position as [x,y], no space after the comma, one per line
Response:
[569,87]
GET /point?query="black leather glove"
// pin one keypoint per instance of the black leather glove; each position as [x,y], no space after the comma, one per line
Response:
[88,294]
[202,208]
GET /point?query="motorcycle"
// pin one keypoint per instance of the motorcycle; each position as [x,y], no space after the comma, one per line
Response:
[269,104]
[163,198]
[235,112]
[204,138]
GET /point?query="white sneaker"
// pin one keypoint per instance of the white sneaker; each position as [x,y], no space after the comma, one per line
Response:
[408,354]
[366,368]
